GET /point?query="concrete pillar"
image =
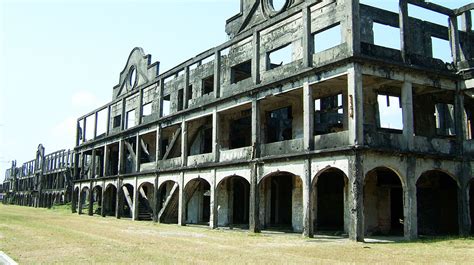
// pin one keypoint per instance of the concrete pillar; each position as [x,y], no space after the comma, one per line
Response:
[93,169]
[182,202]
[215,135]
[410,208]
[352,31]
[102,203]
[256,58]
[355,105]
[120,157]
[158,144]
[79,206]
[217,74]
[156,200]
[138,148]
[135,201]
[407,112]
[307,187]
[119,200]
[307,41]
[454,39]
[184,143]
[255,128]
[91,200]
[464,218]
[159,101]
[254,209]
[356,177]
[308,117]
[405,34]
[213,204]
[106,161]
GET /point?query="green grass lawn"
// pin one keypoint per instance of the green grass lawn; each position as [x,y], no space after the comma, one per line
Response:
[31,235]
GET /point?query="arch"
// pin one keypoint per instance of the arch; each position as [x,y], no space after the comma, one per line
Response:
[75,200]
[110,200]
[97,200]
[84,203]
[168,196]
[281,198]
[233,197]
[126,197]
[329,196]
[146,200]
[383,202]
[437,203]
[197,201]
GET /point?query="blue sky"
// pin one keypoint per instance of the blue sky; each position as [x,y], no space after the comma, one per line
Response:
[60,59]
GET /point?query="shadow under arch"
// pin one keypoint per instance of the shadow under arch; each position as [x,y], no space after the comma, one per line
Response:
[146,200]
[110,201]
[329,196]
[197,201]
[437,203]
[168,202]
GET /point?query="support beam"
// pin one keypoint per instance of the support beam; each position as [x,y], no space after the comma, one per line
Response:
[410,201]
[215,135]
[213,218]
[256,58]
[405,34]
[182,202]
[217,74]
[184,143]
[407,113]
[308,117]
[307,187]
[254,209]
[355,105]
[356,231]
[255,129]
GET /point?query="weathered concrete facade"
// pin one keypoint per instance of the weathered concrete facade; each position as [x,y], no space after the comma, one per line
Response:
[42,182]
[283,127]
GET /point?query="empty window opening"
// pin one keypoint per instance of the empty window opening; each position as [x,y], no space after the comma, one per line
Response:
[90,128]
[80,131]
[240,133]
[390,112]
[147,109]
[280,57]
[329,115]
[148,148]
[198,202]
[170,144]
[113,160]
[441,49]
[145,198]
[278,5]
[190,92]
[208,59]
[278,194]
[330,201]
[469,123]
[102,123]
[444,114]
[241,72]
[180,99]
[427,15]
[202,143]
[279,125]
[130,158]
[208,85]
[381,33]
[130,119]
[168,198]
[117,121]
[166,105]
[327,38]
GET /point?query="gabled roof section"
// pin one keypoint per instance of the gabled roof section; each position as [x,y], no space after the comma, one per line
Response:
[138,71]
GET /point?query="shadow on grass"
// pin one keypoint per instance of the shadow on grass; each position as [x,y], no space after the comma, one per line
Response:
[421,239]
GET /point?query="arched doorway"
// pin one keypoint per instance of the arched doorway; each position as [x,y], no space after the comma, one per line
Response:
[168,202]
[233,194]
[84,203]
[127,201]
[197,196]
[110,200]
[437,202]
[97,200]
[329,196]
[280,195]
[146,199]
[383,203]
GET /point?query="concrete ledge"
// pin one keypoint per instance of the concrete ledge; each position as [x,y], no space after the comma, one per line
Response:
[6,260]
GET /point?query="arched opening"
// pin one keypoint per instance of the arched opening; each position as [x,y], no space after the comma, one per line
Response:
[84,203]
[110,200]
[281,201]
[233,202]
[50,200]
[168,202]
[471,204]
[146,195]
[383,203]
[97,200]
[75,200]
[329,196]
[197,196]
[437,201]
[127,201]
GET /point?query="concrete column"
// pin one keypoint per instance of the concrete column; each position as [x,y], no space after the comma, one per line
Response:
[307,42]
[93,173]
[213,204]
[410,207]
[158,144]
[254,211]
[91,200]
[308,117]
[454,39]
[79,197]
[159,107]
[156,200]
[73,201]
[215,135]
[407,112]
[120,157]
[459,118]
[184,143]
[307,187]
[138,148]
[355,105]
[182,202]
[186,86]
[352,33]
[139,114]
[217,74]
[106,161]
[256,58]
[405,37]
[464,218]
[102,203]
[119,200]
[135,201]
[356,177]
[255,128]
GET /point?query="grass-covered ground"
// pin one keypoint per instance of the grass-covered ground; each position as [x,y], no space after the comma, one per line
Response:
[31,235]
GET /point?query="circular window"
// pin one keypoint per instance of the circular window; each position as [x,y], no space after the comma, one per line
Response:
[132,77]
[275,7]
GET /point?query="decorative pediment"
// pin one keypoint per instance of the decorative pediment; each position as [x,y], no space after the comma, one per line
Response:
[138,71]
[254,12]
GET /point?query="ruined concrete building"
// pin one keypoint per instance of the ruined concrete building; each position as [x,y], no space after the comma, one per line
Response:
[42,182]
[285,126]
